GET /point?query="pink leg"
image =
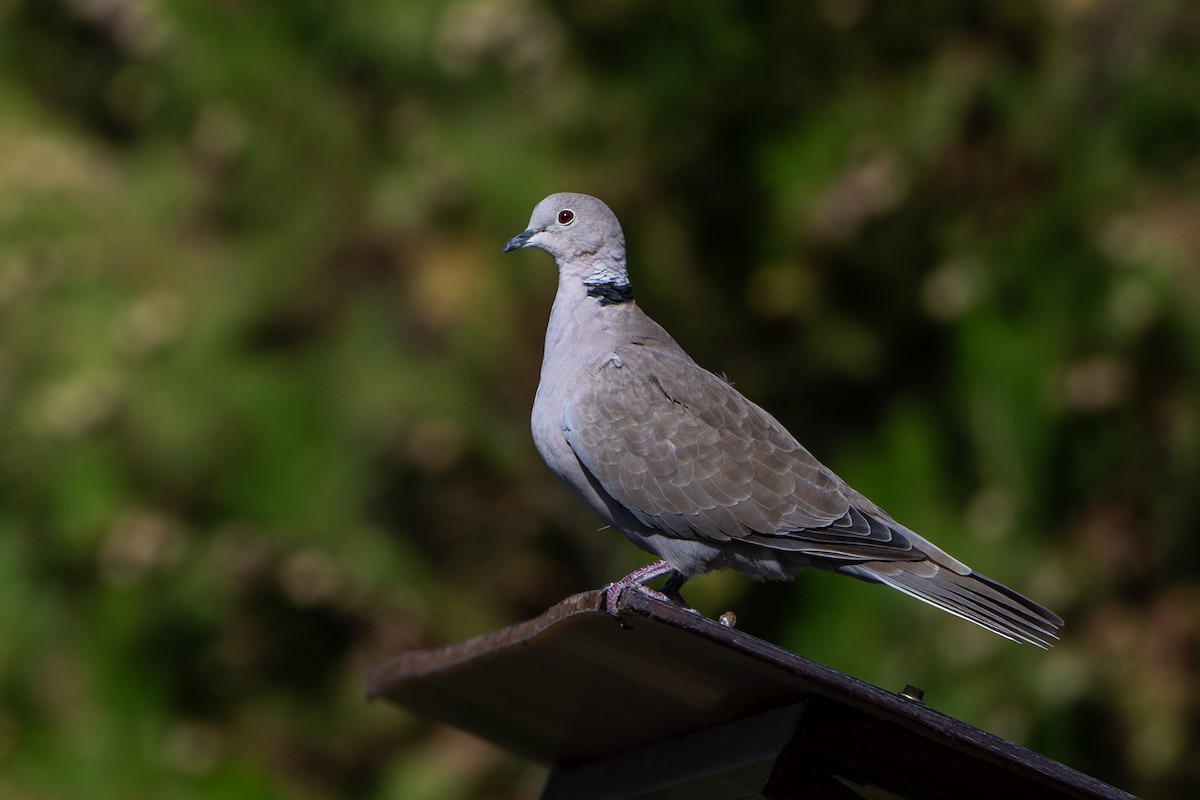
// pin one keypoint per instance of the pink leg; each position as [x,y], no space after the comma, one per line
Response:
[637,578]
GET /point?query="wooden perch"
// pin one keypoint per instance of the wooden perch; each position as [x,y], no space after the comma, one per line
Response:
[679,706]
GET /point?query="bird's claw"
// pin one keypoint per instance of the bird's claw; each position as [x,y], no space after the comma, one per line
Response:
[612,596]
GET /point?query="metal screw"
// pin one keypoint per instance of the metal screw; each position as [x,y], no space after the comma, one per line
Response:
[912,693]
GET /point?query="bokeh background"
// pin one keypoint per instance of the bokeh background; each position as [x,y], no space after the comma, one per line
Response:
[265,376]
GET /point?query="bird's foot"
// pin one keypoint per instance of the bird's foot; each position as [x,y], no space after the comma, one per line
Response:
[638,579]
[655,593]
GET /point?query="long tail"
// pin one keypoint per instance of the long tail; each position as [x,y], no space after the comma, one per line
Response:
[972,597]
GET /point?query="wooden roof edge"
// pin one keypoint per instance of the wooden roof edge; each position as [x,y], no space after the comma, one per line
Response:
[416,663]
[873,700]
[810,677]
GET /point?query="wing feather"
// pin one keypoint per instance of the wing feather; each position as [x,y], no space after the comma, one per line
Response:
[690,456]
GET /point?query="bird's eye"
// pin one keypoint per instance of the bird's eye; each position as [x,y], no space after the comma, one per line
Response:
[566,216]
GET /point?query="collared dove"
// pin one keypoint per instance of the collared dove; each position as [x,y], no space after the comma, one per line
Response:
[688,469]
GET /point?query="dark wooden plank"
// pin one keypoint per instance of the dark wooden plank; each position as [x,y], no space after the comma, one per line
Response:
[571,687]
[725,762]
[808,780]
[858,747]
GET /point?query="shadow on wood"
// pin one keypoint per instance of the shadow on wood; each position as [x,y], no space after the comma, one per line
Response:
[679,706]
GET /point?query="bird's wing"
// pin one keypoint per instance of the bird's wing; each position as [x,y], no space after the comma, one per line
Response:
[689,455]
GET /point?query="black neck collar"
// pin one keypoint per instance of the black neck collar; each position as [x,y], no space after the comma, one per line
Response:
[609,293]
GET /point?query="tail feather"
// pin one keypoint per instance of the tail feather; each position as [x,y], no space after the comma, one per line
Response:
[973,597]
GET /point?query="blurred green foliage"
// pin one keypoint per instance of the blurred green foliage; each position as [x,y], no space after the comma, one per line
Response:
[265,377]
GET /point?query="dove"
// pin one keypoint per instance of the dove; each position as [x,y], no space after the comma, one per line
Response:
[689,470]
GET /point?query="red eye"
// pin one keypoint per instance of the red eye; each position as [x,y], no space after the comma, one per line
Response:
[565,216]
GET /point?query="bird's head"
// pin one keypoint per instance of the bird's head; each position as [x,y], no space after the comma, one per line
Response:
[582,235]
